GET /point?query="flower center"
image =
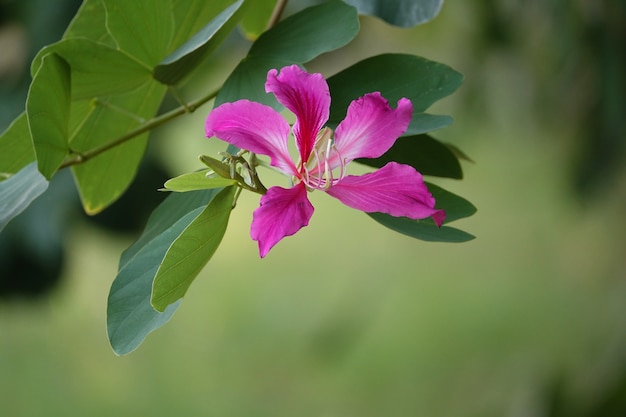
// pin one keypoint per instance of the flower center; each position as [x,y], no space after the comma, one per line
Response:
[317,172]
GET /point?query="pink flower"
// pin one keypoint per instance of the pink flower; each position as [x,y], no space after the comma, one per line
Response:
[370,128]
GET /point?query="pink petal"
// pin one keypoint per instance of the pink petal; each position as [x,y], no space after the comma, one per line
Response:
[283,211]
[371,127]
[254,127]
[395,189]
[307,96]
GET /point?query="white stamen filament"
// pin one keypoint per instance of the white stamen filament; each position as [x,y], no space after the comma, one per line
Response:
[319,159]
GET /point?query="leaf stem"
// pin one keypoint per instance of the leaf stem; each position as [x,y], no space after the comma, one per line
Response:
[80,157]
[277,13]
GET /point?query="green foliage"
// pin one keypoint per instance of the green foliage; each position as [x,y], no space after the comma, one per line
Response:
[403,13]
[49,124]
[191,251]
[199,180]
[186,58]
[96,94]
[422,152]
[456,208]
[255,21]
[19,191]
[295,40]
[396,76]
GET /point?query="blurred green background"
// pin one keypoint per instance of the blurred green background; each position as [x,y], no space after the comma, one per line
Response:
[347,318]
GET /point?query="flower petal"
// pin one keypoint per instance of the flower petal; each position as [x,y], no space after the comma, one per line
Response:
[254,127]
[371,127]
[283,211]
[395,189]
[308,98]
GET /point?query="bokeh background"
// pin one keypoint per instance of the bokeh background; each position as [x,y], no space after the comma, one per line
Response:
[347,318]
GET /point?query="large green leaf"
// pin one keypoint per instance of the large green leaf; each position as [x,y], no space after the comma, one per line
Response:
[403,13]
[394,76]
[185,59]
[97,69]
[19,191]
[198,180]
[295,40]
[191,251]
[456,208]
[142,28]
[422,152]
[102,179]
[130,316]
[48,112]
[16,147]
[257,17]
[309,33]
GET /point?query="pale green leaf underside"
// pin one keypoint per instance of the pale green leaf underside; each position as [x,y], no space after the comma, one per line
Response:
[197,181]
[19,191]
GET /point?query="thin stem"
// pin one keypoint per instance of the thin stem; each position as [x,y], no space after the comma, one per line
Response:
[81,157]
[277,13]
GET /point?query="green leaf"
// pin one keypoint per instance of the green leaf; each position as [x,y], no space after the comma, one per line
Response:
[48,112]
[16,147]
[422,152]
[197,181]
[421,230]
[97,69]
[185,59]
[424,123]
[456,208]
[19,191]
[394,76]
[90,23]
[130,316]
[142,28]
[191,251]
[309,33]
[403,13]
[102,179]
[295,40]
[257,17]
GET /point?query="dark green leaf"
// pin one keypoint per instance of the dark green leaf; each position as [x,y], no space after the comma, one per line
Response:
[424,123]
[422,152]
[48,112]
[297,39]
[16,147]
[309,33]
[456,207]
[186,58]
[191,251]
[195,181]
[403,13]
[256,18]
[394,76]
[19,191]
[130,316]
[422,230]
